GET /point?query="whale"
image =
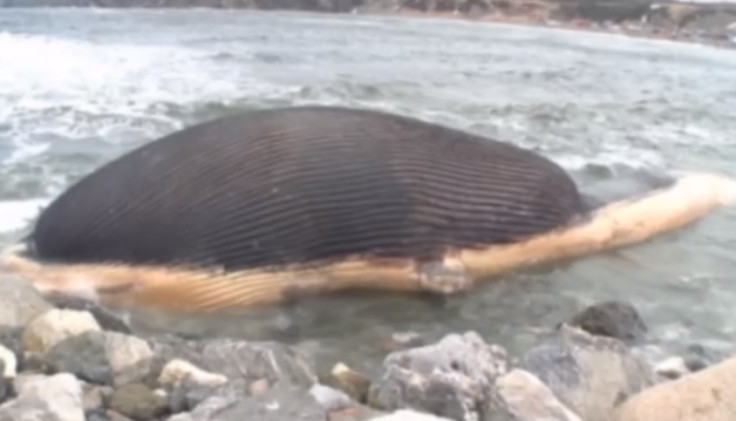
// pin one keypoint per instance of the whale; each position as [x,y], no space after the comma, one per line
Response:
[266,206]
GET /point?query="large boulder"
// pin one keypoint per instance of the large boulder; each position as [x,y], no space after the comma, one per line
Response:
[589,374]
[453,378]
[707,395]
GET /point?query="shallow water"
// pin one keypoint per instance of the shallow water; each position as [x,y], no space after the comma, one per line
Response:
[79,87]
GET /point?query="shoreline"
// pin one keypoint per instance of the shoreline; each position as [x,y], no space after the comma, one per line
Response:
[628,29]
[582,26]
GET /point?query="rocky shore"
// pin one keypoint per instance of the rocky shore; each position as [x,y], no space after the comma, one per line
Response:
[711,23]
[74,361]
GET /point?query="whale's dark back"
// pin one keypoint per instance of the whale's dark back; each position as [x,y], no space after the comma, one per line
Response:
[303,184]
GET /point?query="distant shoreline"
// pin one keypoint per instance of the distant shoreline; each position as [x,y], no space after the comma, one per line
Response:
[591,27]
[628,29]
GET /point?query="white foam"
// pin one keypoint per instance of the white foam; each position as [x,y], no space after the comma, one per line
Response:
[17,214]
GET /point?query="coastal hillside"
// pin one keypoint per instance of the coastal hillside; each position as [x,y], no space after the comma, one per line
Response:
[709,21]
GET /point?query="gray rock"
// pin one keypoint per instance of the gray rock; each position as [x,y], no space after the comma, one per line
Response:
[283,402]
[330,399]
[409,415]
[279,403]
[526,398]
[45,398]
[453,378]
[5,384]
[589,374]
[53,326]
[20,302]
[103,357]
[138,402]
[613,319]
[93,397]
[248,361]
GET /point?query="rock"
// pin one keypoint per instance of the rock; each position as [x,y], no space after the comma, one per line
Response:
[138,402]
[452,378]
[46,398]
[672,368]
[250,361]
[354,413]
[103,357]
[526,398]
[93,397]
[5,384]
[53,326]
[189,385]
[10,337]
[589,374]
[707,395]
[9,363]
[330,399]
[178,370]
[612,319]
[355,384]
[107,320]
[283,402]
[409,415]
[20,302]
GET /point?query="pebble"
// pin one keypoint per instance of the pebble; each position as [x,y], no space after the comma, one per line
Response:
[138,402]
[178,370]
[53,326]
[353,383]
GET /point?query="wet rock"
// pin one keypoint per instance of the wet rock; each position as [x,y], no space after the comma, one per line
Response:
[283,402]
[707,395]
[526,398]
[355,384]
[250,361]
[613,319]
[138,402]
[47,398]
[330,399]
[103,357]
[671,368]
[107,320]
[452,378]
[589,374]
[53,326]
[20,302]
